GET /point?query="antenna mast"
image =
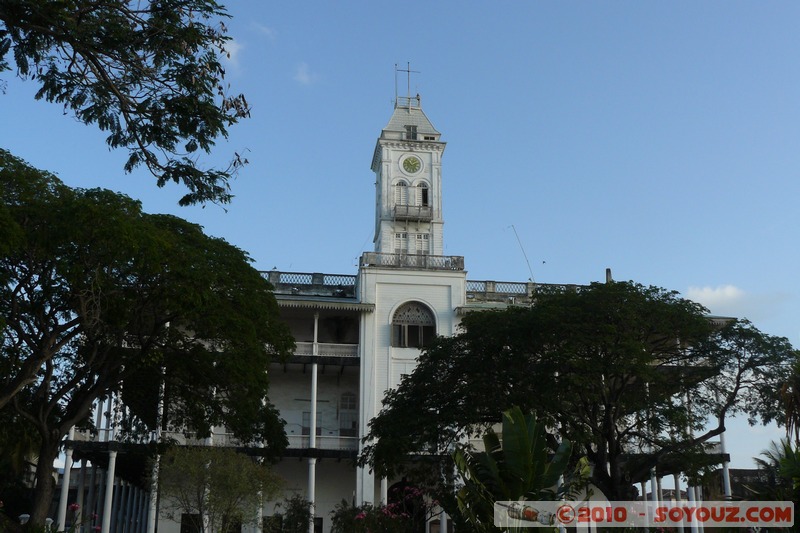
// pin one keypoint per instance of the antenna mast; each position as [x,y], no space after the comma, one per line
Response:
[523,253]
[408,72]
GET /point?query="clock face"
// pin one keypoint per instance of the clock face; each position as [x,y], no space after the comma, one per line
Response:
[411,164]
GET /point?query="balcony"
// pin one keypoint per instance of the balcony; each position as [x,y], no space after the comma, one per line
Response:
[422,213]
[324,442]
[315,285]
[510,292]
[326,349]
[412,261]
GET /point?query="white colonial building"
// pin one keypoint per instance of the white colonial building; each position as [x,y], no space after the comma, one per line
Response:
[357,334]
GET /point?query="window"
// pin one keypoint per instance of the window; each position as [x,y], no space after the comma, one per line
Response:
[348,415]
[400,243]
[413,326]
[411,133]
[306,427]
[423,244]
[422,194]
[349,401]
[401,193]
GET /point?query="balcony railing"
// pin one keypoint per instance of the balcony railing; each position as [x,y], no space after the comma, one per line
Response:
[302,442]
[326,349]
[413,212]
[415,261]
[316,284]
[511,291]
[336,442]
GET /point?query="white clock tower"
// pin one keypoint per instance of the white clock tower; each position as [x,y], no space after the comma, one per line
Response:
[408,166]
[413,291]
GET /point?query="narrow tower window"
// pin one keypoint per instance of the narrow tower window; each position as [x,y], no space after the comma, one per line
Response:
[422,194]
[401,193]
[413,326]
[411,133]
[400,243]
[423,244]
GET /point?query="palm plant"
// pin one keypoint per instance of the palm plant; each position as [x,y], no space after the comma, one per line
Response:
[515,465]
[779,469]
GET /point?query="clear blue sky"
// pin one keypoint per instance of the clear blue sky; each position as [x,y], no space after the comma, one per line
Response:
[658,139]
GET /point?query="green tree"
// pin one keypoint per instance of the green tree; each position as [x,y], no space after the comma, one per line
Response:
[790,399]
[296,516]
[610,365]
[100,297]
[222,485]
[512,468]
[149,73]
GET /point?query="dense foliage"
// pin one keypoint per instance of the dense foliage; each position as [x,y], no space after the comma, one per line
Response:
[147,72]
[610,366]
[99,297]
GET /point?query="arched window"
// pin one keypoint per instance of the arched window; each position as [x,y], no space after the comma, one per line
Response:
[413,326]
[422,194]
[401,193]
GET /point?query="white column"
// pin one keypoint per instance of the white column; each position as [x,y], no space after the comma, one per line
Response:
[653,487]
[152,512]
[78,516]
[698,498]
[312,443]
[260,513]
[691,499]
[365,486]
[108,500]
[61,519]
[384,491]
[312,482]
[676,479]
[726,475]
[112,464]
[443,522]
[312,439]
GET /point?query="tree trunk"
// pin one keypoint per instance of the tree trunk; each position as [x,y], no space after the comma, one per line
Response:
[45,484]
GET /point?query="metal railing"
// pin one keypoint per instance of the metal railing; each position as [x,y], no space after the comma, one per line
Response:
[418,261]
[324,442]
[326,349]
[413,212]
[305,278]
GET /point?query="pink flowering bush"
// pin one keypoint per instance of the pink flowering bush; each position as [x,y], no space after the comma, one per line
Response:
[406,512]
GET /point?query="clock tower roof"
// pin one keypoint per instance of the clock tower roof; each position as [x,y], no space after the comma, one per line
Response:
[409,122]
